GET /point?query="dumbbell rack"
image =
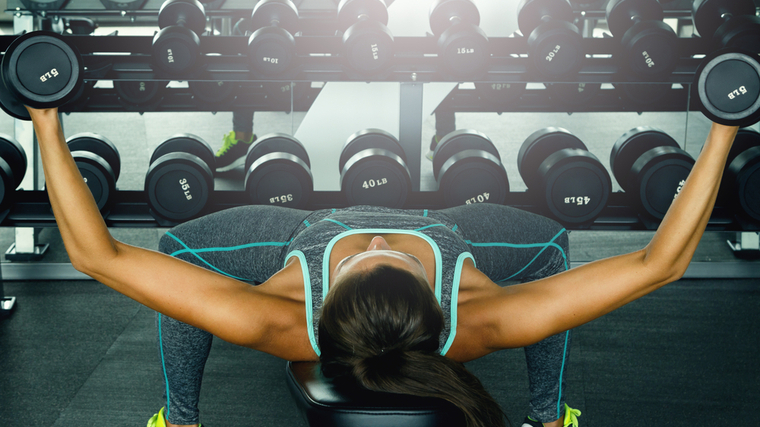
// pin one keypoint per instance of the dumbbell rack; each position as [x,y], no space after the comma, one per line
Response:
[414,68]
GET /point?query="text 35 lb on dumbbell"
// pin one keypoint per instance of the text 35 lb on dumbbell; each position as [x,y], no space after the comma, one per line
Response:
[480,198]
[49,75]
[577,200]
[285,198]
[553,53]
[185,188]
[371,183]
[737,92]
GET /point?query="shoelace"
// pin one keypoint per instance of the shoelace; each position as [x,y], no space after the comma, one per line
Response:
[229,141]
[571,416]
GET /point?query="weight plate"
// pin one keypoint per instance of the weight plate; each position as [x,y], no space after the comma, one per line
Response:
[706,14]
[13,153]
[739,32]
[98,145]
[279,178]
[464,51]
[631,145]
[473,176]
[651,51]
[213,92]
[42,70]
[97,174]
[186,143]
[573,94]
[659,175]
[178,186]
[368,47]
[370,138]
[187,13]
[540,145]
[497,94]
[443,11]
[176,49]
[556,49]
[136,93]
[279,13]
[531,13]
[351,11]
[460,140]
[620,12]
[376,177]
[745,174]
[276,143]
[728,85]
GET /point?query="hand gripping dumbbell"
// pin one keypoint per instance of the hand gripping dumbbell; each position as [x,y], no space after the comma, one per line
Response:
[373,170]
[468,170]
[649,46]
[177,47]
[463,48]
[272,47]
[12,169]
[180,180]
[278,172]
[651,167]
[554,42]
[740,186]
[729,23]
[563,176]
[99,163]
[39,69]
[367,41]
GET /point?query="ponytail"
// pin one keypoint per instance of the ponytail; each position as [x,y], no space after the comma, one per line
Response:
[381,328]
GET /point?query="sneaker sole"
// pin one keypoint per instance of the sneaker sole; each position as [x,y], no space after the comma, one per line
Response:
[240,161]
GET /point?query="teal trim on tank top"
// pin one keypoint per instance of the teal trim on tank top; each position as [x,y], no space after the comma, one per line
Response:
[337,222]
[195,252]
[424,212]
[307,297]
[429,226]
[163,365]
[431,242]
[454,299]
[306,222]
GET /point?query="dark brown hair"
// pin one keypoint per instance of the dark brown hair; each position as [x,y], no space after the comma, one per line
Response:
[381,327]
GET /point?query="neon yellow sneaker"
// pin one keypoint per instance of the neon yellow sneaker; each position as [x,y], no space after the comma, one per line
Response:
[158,420]
[232,154]
[570,419]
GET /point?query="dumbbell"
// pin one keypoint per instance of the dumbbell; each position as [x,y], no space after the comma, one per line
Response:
[554,42]
[134,93]
[39,69]
[463,48]
[574,94]
[500,94]
[740,186]
[278,172]
[180,180]
[12,169]
[563,176]
[99,163]
[213,93]
[373,170]
[271,47]
[367,41]
[729,23]
[651,167]
[177,47]
[468,169]
[649,50]
[727,85]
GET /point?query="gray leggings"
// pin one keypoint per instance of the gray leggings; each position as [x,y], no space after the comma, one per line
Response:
[250,243]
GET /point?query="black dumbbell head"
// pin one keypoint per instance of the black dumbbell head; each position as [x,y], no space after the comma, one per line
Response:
[272,47]
[442,12]
[279,13]
[707,14]
[278,172]
[727,83]
[373,170]
[658,175]
[367,41]
[741,178]
[555,45]
[136,93]
[12,168]
[213,92]
[351,11]
[620,12]
[468,170]
[99,163]
[176,48]
[180,180]
[573,94]
[538,146]
[186,13]
[41,70]
[630,146]
[650,50]
[530,13]
[740,32]
[500,93]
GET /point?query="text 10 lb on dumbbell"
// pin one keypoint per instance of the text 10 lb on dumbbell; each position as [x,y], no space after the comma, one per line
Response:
[185,188]
[374,183]
[285,198]
[678,190]
[737,92]
[480,198]
[49,75]
[553,53]
[169,56]
[271,60]
[577,200]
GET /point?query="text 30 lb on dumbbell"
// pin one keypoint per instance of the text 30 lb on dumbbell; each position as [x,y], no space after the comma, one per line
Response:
[186,188]
[648,59]
[678,190]
[285,198]
[553,53]
[737,92]
[579,200]
[169,56]
[54,73]
[374,183]
[480,198]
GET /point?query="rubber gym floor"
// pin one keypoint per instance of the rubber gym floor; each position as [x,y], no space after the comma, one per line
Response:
[76,353]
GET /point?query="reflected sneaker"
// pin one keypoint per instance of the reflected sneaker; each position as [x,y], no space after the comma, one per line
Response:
[158,420]
[232,154]
[433,143]
[570,419]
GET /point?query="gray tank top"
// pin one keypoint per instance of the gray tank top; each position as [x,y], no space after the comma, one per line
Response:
[323,229]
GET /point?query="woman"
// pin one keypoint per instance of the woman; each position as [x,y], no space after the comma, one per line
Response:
[272,317]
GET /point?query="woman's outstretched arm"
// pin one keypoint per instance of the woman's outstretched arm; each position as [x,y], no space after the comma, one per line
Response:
[543,308]
[229,309]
